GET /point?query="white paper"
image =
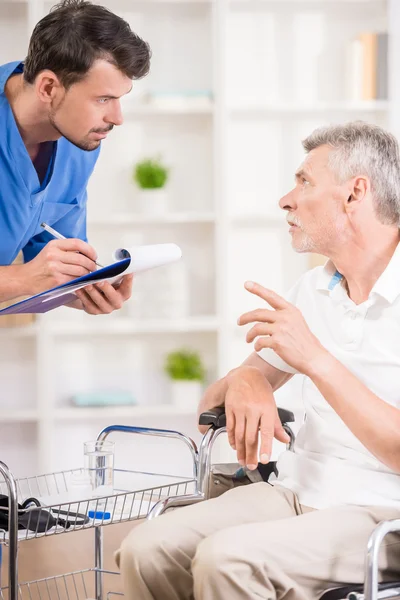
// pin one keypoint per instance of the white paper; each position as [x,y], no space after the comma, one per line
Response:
[142,258]
[148,257]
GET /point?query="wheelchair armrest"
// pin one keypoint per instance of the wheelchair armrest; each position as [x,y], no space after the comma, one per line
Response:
[217,417]
[286,416]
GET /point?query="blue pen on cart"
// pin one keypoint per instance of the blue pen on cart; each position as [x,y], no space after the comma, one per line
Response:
[98,514]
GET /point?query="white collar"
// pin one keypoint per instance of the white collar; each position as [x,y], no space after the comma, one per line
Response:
[387,286]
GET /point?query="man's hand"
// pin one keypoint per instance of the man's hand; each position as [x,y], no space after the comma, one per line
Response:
[103,298]
[60,261]
[283,329]
[250,409]
[213,397]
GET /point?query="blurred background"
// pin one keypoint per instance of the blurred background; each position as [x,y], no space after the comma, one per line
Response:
[210,143]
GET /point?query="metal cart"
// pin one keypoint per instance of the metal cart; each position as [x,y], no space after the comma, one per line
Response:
[136,495]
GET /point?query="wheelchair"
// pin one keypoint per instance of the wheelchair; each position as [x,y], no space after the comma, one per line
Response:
[216,419]
[136,495]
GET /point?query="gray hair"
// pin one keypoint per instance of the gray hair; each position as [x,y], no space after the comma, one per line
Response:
[359,148]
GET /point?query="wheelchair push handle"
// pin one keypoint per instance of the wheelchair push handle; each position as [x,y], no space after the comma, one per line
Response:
[216,417]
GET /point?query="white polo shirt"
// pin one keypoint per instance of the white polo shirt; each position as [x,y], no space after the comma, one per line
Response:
[329,465]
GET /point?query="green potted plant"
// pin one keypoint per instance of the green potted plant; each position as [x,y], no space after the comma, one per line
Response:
[151,177]
[186,371]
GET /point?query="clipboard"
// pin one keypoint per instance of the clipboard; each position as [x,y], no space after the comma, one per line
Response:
[127,260]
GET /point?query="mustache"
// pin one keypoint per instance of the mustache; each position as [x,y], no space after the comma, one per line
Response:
[102,130]
[293,220]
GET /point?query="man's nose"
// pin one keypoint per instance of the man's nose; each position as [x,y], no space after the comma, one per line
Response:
[115,116]
[288,201]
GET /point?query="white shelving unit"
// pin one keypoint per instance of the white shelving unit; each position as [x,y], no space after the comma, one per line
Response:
[73,414]
[123,327]
[230,163]
[139,220]
[366,107]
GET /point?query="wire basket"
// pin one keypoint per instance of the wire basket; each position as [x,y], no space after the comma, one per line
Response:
[79,585]
[61,511]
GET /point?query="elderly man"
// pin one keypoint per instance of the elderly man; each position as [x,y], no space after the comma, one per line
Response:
[340,327]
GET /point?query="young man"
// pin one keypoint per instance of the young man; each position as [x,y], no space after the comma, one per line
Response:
[55,109]
[340,327]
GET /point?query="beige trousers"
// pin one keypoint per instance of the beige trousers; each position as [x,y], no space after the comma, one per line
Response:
[252,542]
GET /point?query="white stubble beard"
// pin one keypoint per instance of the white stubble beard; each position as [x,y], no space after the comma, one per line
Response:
[308,244]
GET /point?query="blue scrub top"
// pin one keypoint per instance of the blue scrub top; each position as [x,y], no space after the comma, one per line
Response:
[60,200]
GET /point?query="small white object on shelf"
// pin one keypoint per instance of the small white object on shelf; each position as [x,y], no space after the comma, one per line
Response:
[153,202]
[186,395]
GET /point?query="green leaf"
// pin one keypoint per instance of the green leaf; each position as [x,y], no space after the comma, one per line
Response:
[184,365]
[150,174]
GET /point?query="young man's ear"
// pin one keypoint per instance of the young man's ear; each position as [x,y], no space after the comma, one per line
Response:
[48,86]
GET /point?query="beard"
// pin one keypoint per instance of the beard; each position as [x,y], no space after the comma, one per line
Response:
[324,233]
[85,143]
[301,241]
[303,244]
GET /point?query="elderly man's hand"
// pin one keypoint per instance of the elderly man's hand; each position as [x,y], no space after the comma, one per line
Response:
[251,410]
[283,329]
[103,298]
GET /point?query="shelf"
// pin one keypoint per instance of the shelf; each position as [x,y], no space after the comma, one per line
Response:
[74,413]
[125,326]
[132,111]
[130,219]
[318,107]
[20,415]
[116,326]
[261,219]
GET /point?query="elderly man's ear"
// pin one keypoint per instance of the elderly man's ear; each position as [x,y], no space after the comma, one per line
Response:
[361,188]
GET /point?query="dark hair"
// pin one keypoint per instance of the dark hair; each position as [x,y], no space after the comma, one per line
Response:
[74,34]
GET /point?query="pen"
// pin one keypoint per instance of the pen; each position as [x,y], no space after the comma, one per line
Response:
[58,236]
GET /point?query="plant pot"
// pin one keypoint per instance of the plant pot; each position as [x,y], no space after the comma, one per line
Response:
[153,201]
[186,394]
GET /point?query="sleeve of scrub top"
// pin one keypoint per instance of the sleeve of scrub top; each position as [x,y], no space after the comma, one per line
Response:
[72,225]
[268,354]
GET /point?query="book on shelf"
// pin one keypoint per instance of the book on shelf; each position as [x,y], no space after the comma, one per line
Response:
[382,84]
[367,62]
